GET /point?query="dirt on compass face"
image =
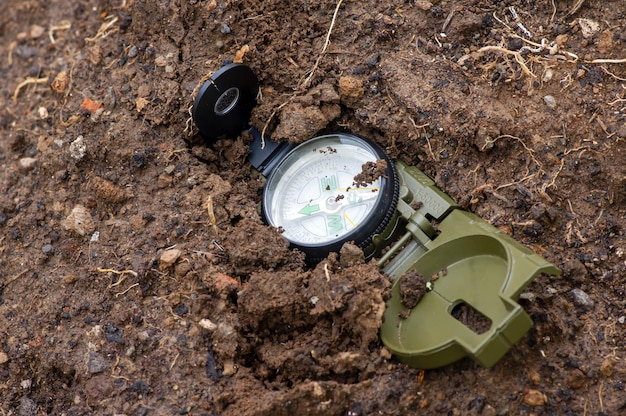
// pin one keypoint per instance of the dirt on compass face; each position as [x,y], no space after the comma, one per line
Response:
[370,172]
[137,277]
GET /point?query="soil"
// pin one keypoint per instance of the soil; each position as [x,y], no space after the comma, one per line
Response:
[370,172]
[412,288]
[136,275]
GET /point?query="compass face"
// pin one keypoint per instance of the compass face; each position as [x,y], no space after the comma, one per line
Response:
[317,198]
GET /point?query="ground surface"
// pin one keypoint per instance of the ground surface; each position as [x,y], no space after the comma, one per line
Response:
[101,172]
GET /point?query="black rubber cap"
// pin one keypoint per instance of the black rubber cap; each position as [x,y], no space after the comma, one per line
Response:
[225,101]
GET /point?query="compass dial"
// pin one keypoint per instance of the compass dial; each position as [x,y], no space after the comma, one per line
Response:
[329,190]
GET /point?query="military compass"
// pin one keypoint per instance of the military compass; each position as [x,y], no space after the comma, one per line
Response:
[339,187]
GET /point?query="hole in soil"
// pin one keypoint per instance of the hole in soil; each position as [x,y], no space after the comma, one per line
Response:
[471,318]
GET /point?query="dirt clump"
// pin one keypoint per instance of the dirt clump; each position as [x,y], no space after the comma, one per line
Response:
[412,288]
[370,172]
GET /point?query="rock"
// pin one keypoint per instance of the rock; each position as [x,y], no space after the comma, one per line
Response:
[99,388]
[78,148]
[28,407]
[95,363]
[588,27]
[79,221]
[534,398]
[169,257]
[581,298]
[550,101]
[206,324]
[36,31]
[27,164]
[4,357]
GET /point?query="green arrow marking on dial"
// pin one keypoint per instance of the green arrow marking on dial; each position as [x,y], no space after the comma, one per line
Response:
[309,209]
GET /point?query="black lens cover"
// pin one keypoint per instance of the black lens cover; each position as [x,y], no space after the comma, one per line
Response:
[225,101]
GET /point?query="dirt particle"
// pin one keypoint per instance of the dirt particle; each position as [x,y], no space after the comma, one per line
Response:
[351,255]
[535,378]
[78,148]
[424,5]
[350,90]
[107,191]
[169,257]
[608,366]
[69,279]
[79,221]
[298,123]
[534,398]
[370,172]
[27,164]
[224,283]
[412,288]
[59,83]
[4,357]
[99,387]
[575,379]
[90,105]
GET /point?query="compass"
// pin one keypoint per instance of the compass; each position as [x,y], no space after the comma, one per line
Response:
[339,187]
[329,190]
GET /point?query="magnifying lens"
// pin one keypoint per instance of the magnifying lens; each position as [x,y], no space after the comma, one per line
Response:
[339,188]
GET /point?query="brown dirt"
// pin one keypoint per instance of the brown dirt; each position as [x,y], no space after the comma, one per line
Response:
[412,288]
[370,172]
[102,172]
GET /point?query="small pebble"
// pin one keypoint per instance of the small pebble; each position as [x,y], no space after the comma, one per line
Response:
[534,398]
[47,249]
[169,257]
[207,324]
[28,407]
[4,357]
[132,52]
[225,29]
[27,163]
[550,101]
[581,298]
[78,148]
